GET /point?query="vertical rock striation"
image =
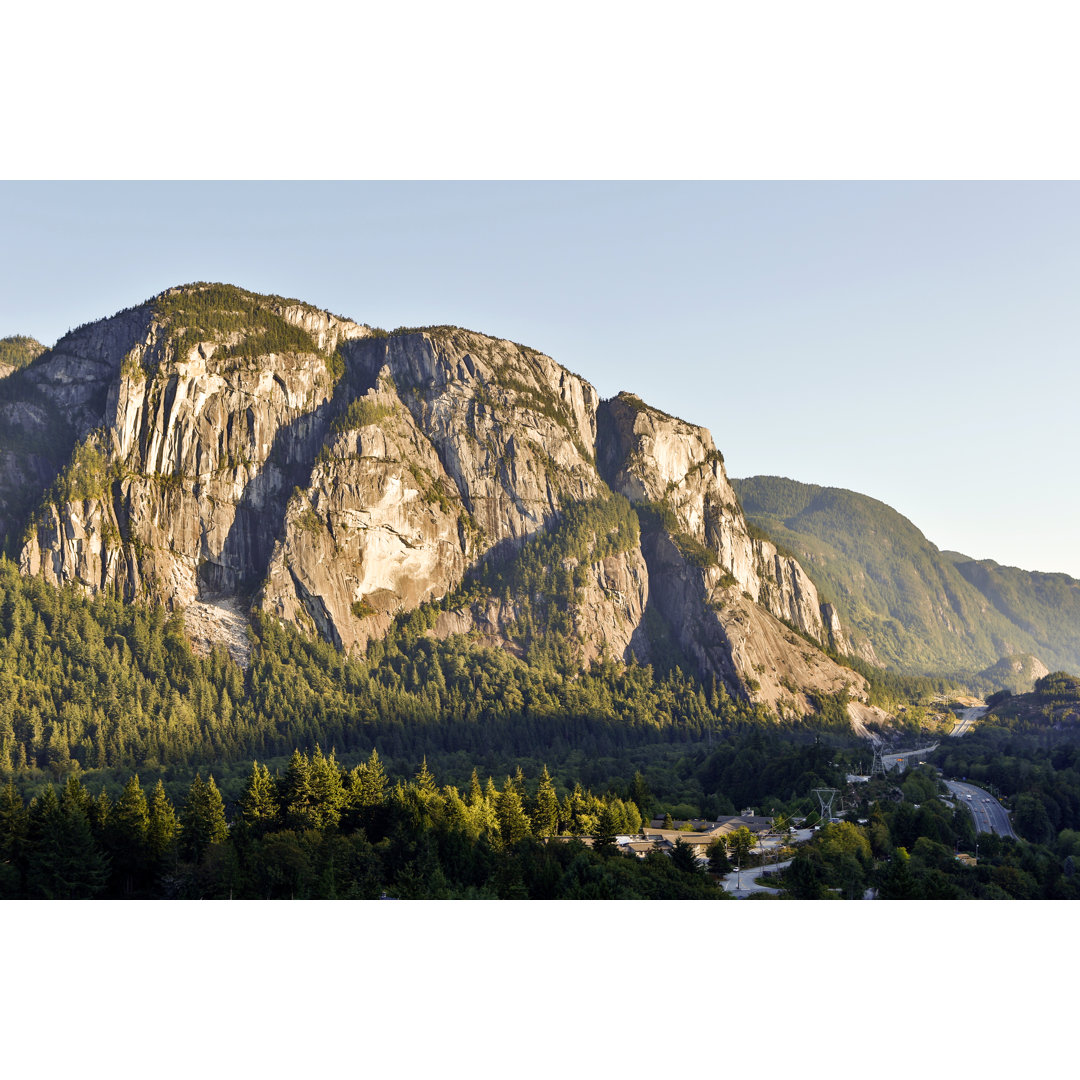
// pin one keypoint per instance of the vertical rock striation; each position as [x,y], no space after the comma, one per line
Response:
[213,449]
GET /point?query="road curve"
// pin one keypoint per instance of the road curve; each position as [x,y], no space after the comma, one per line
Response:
[967,720]
[731,883]
[990,816]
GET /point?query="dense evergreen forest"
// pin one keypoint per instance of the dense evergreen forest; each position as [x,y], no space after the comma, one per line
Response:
[98,684]
[109,723]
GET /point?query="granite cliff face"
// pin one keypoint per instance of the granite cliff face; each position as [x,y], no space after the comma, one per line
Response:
[378,529]
[652,457]
[188,439]
[212,447]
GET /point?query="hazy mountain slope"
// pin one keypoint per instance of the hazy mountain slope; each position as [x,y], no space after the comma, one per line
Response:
[902,600]
[1046,606]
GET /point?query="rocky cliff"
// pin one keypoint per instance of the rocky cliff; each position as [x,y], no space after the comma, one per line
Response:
[655,458]
[213,446]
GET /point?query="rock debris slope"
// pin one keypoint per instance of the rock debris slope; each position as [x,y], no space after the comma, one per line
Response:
[215,447]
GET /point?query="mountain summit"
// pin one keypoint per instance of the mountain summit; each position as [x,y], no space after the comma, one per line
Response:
[214,450]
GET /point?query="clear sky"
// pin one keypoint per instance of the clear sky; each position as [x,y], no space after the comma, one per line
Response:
[912,341]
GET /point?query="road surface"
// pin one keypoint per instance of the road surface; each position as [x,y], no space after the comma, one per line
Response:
[990,816]
[896,761]
[967,720]
[742,890]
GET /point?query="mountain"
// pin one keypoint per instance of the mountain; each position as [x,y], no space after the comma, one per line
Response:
[220,452]
[1017,673]
[904,603]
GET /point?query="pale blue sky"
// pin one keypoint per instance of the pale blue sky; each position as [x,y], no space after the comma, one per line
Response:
[913,341]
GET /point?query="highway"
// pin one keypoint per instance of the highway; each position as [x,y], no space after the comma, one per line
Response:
[967,720]
[900,760]
[990,816]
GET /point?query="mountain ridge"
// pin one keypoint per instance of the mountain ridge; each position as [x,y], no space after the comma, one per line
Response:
[214,444]
[905,603]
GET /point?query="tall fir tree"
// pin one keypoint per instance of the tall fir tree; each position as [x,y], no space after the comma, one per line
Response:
[163,826]
[327,792]
[513,821]
[14,833]
[546,820]
[65,862]
[257,807]
[607,826]
[202,820]
[126,838]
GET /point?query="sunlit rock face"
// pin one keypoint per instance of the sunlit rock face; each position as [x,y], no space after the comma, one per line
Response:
[218,451]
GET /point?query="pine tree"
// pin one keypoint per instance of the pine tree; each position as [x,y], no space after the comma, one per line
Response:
[641,794]
[297,799]
[373,782]
[607,825]
[327,792]
[14,834]
[425,782]
[513,821]
[202,820]
[126,839]
[683,858]
[546,821]
[519,784]
[99,812]
[64,861]
[163,827]
[75,796]
[476,792]
[257,806]
[719,863]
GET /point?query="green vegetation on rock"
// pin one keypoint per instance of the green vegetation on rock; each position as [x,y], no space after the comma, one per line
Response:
[18,351]
[215,313]
[87,475]
[362,412]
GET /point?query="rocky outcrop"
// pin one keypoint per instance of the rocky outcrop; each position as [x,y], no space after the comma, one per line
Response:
[513,430]
[729,636]
[835,631]
[607,616]
[655,458]
[18,351]
[1017,673]
[379,529]
[53,404]
[204,440]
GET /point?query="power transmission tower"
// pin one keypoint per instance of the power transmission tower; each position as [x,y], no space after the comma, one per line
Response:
[825,798]
[879,761]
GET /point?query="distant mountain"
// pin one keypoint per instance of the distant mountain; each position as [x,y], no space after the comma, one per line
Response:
[1017,673]
[903,602]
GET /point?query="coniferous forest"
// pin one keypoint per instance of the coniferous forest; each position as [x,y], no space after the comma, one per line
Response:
[137,768]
